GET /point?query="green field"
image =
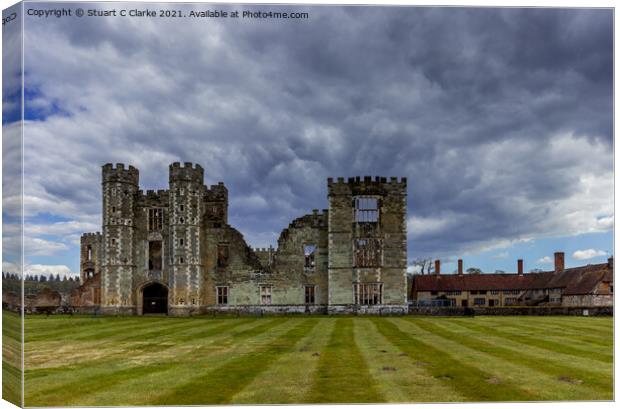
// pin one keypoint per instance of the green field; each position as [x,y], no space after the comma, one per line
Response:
[163,361]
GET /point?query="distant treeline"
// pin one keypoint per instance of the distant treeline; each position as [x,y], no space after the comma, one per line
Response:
[35,283]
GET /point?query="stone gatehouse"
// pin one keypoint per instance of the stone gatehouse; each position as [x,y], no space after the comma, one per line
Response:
[173,251]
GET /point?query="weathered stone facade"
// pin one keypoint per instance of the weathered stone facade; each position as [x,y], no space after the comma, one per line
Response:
[173,251]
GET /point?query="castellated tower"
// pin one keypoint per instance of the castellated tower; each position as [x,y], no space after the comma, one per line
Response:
[120,187]
[367,244]
[90,255]
[187,191]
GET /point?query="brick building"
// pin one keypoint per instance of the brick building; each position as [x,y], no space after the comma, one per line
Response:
[173,251]
[590,285]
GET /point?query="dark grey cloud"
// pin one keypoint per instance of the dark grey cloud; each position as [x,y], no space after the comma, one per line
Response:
[500,118]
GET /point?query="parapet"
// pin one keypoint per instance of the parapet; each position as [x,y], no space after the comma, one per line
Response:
[118,173]
[186,172]
[216,193]
[87,238]
[367,184]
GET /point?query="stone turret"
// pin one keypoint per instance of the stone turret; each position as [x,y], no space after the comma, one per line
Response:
[186,197]
[120,193]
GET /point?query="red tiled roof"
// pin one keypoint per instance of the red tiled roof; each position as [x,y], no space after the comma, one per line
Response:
[579,280]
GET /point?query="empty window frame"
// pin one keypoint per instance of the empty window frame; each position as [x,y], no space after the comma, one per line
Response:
[265,294]
[155,255]
[367,252]
[309,257]
[368,293]
[366,209]
[309,294]
[223,255]
[222,295]
[155,219]
[89,253]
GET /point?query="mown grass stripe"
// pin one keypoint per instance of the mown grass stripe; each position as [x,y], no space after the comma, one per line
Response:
[207,357]
[116,373]
[221,384]
[400,379]
[593,325]
[590,379]
[468,380]
[72,329]
[11,384]
[555,347]
[343,375]
[289,378]
[548,328]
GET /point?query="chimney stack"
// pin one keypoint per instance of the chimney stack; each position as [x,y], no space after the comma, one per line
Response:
[520,266]
[559,261]
[460,267]
[610,262]
[437,267]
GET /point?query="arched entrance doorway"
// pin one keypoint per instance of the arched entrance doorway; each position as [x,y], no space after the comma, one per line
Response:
[154,299]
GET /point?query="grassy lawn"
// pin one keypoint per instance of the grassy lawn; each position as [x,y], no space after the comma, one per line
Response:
[128,361]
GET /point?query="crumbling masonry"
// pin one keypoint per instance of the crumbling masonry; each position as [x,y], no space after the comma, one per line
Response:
[173,251]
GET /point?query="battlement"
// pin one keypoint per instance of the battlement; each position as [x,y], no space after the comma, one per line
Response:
[154,193]
[264,250]
[186,172]
[96,234]
[367,179]
[118,173]
[378,185]
[216,193]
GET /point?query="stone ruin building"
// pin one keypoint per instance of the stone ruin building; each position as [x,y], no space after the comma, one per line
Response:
[173,251]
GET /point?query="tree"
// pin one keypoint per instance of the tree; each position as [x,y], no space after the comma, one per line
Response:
[474,270]
[536,270]
[500,272]
[425,265]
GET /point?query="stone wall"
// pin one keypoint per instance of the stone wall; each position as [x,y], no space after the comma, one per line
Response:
[455,311]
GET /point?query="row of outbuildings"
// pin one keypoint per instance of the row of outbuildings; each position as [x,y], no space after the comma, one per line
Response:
[585,286]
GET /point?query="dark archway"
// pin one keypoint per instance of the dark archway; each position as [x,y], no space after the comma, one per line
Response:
[154,299]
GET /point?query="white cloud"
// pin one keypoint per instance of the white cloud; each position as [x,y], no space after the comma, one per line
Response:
[588,254]
[545,260]
[40,269]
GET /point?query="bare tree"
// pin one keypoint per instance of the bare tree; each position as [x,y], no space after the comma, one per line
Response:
[425,265]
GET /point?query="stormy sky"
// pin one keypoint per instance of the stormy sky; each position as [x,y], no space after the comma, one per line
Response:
[501,119]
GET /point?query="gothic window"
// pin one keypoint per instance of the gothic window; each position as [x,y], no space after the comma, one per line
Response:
[309,257]
[309,294]
[265,294]
[222,295]
[156,219]
[222,255]
[155,255]
[368,293]
[90,253]
[366,209]
[367,252]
